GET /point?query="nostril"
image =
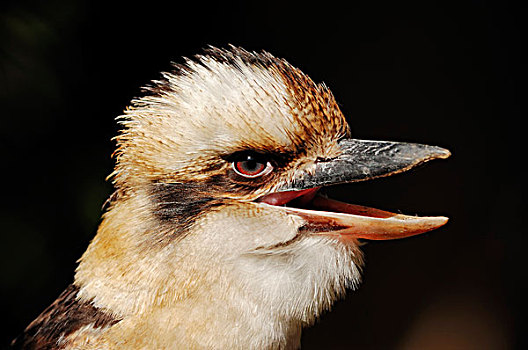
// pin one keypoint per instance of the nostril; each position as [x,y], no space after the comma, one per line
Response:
[323,159]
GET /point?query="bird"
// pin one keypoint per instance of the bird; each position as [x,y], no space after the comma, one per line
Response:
[219,234]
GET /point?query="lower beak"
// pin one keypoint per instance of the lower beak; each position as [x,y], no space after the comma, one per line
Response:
[332,217]
[359,161]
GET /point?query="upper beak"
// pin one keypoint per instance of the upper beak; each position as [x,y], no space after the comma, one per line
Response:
[359,160]
[362,160]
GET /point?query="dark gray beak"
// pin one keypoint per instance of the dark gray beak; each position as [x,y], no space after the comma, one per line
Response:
[364,160]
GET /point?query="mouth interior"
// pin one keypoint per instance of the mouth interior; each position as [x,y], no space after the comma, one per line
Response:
[310,199]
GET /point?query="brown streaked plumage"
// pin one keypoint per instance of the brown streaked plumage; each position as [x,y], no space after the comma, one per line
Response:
[65,316]
[216,236]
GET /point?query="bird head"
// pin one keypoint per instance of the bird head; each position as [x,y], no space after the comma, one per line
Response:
[218,176]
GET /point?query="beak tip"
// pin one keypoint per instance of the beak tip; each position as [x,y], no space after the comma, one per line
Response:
[426,152]
[435,222]
[442,220]
[443,153]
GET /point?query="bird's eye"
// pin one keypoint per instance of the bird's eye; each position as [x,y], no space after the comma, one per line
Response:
[250,165]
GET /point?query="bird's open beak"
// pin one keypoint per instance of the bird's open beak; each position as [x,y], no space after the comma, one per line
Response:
[359,161]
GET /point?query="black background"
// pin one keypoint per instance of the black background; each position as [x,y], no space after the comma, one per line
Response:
[451,74]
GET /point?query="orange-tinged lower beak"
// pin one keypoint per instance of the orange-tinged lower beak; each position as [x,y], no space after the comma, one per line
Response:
[332,217]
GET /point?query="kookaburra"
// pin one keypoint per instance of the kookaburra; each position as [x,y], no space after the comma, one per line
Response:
[217,236]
